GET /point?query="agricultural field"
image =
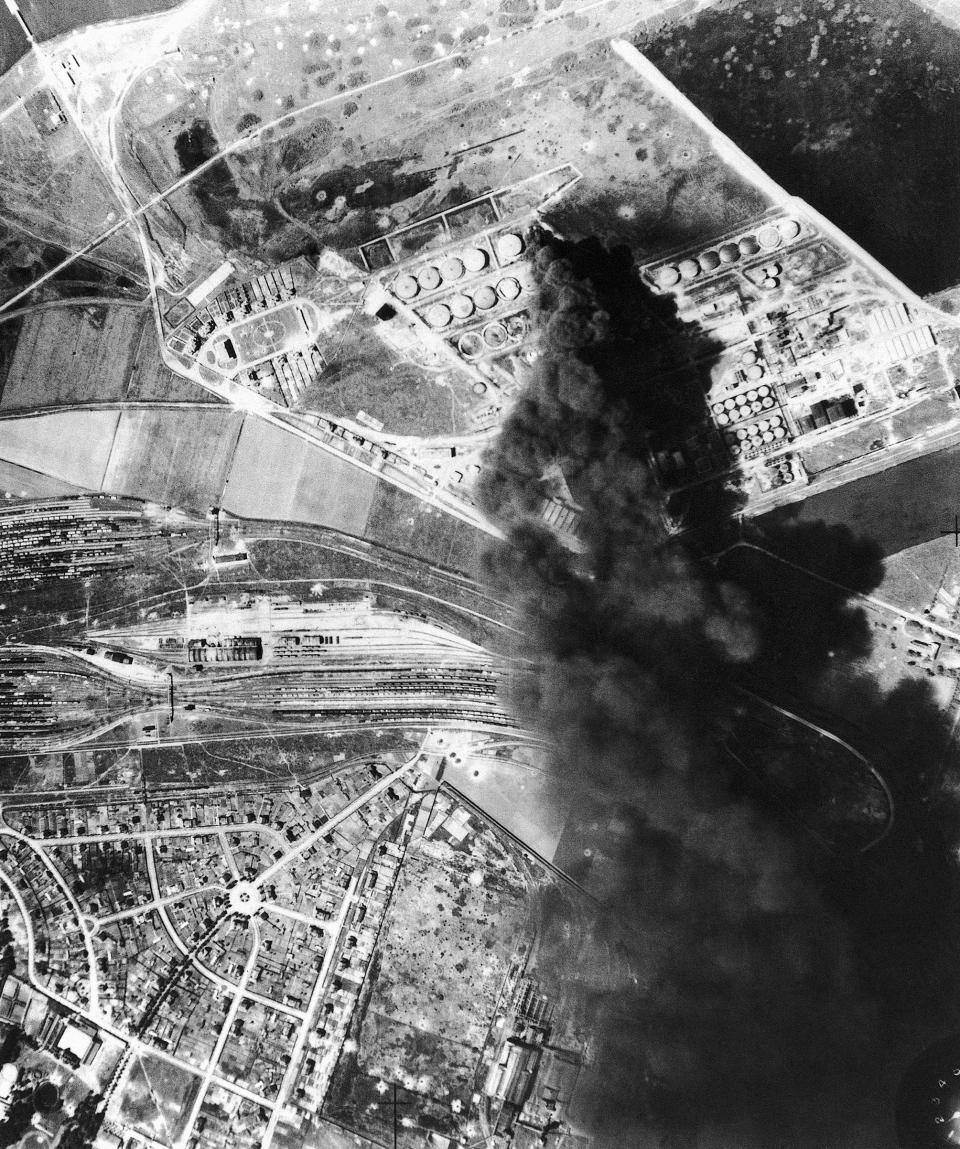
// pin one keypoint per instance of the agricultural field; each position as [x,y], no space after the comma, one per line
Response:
[13,43]
[52,364]
[71,445]
[832,99]
[18,482]
[311,486]
[46,357]
[171,456]
[47,20]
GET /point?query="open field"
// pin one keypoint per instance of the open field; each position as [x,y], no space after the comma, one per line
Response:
[457,917]
[536,84]
[832,100]
[172,456]
[929,414]
[266,759]
[52,185]
[158,1098]
[277,475]
[912,577]
[516,791]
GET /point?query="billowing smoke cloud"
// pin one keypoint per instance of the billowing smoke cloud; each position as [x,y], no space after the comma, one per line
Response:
[760,993]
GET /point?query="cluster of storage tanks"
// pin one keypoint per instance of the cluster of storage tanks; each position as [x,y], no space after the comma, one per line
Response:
[758,437]
[767,238]
[779,473]
[463,293]
[459,302]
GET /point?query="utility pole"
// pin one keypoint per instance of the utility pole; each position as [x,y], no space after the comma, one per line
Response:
[396,1119]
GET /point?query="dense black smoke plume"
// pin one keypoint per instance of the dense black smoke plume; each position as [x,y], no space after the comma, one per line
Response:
[766,993]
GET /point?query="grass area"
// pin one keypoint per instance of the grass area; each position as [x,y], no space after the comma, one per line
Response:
[831,100]
[275,474]
[404,397]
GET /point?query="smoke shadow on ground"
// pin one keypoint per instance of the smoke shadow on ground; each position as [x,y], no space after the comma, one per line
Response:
[748,988]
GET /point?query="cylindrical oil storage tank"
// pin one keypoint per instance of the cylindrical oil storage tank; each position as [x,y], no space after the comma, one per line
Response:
[789,229]
[461,306]
[470,344]
[709,261]
[451,269]
[689,268]
[508,288]
[748,245]
[495,335]
[668,276]
[769,237]
[722,419]
[509,246]
[438,315]
[429,278]
[474,258]
[729,253]
[406,287]
[485,297]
